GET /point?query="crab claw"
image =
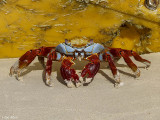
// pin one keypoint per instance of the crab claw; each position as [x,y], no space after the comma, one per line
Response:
[91,68]
[68,74]
[67,62]
[93,58]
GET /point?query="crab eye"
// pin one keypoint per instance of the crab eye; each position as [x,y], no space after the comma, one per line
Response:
[120,52]
[91,41]
[67,42]
[39,51]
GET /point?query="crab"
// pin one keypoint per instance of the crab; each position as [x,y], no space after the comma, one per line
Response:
[67,52]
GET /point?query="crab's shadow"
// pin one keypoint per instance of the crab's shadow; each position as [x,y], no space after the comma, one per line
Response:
[78,66]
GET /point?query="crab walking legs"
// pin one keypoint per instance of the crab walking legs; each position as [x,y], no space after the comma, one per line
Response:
[29,56]
[118,53]
[65,52]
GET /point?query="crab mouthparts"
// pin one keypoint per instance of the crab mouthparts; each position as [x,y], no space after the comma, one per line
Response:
[79,58]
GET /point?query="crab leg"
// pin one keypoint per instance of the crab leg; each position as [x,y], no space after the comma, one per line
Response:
[137,57]
[51,57]
[91,68]
[130,63]
[68,74]
[107,57]
[27,58]
[117,52]
[24,61]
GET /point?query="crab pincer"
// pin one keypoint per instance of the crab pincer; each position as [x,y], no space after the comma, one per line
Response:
[91,68]
[66,52]
[69,75]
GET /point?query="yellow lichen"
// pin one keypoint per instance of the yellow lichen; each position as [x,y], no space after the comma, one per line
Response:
[30,24]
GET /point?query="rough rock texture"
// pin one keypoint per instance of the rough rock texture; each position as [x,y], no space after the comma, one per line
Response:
[29,24]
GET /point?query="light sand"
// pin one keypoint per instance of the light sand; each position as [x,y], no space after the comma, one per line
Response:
[33,100]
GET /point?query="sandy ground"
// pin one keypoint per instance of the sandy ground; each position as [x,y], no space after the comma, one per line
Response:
[33,100]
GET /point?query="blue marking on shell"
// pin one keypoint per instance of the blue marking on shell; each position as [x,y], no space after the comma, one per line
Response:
[58,56]
[69,48]
[89,48]
[94,48]
[65,49]
[79,49]
[98,48]
[61,48]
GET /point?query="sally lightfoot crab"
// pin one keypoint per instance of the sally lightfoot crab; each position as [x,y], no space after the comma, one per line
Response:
[67,53]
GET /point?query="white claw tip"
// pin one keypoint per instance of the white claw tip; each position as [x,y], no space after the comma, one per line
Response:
[88,80]
[49,83]
[81,79]
[117,85]
[137,73]
[78,84]
[69,83]
[19,78]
